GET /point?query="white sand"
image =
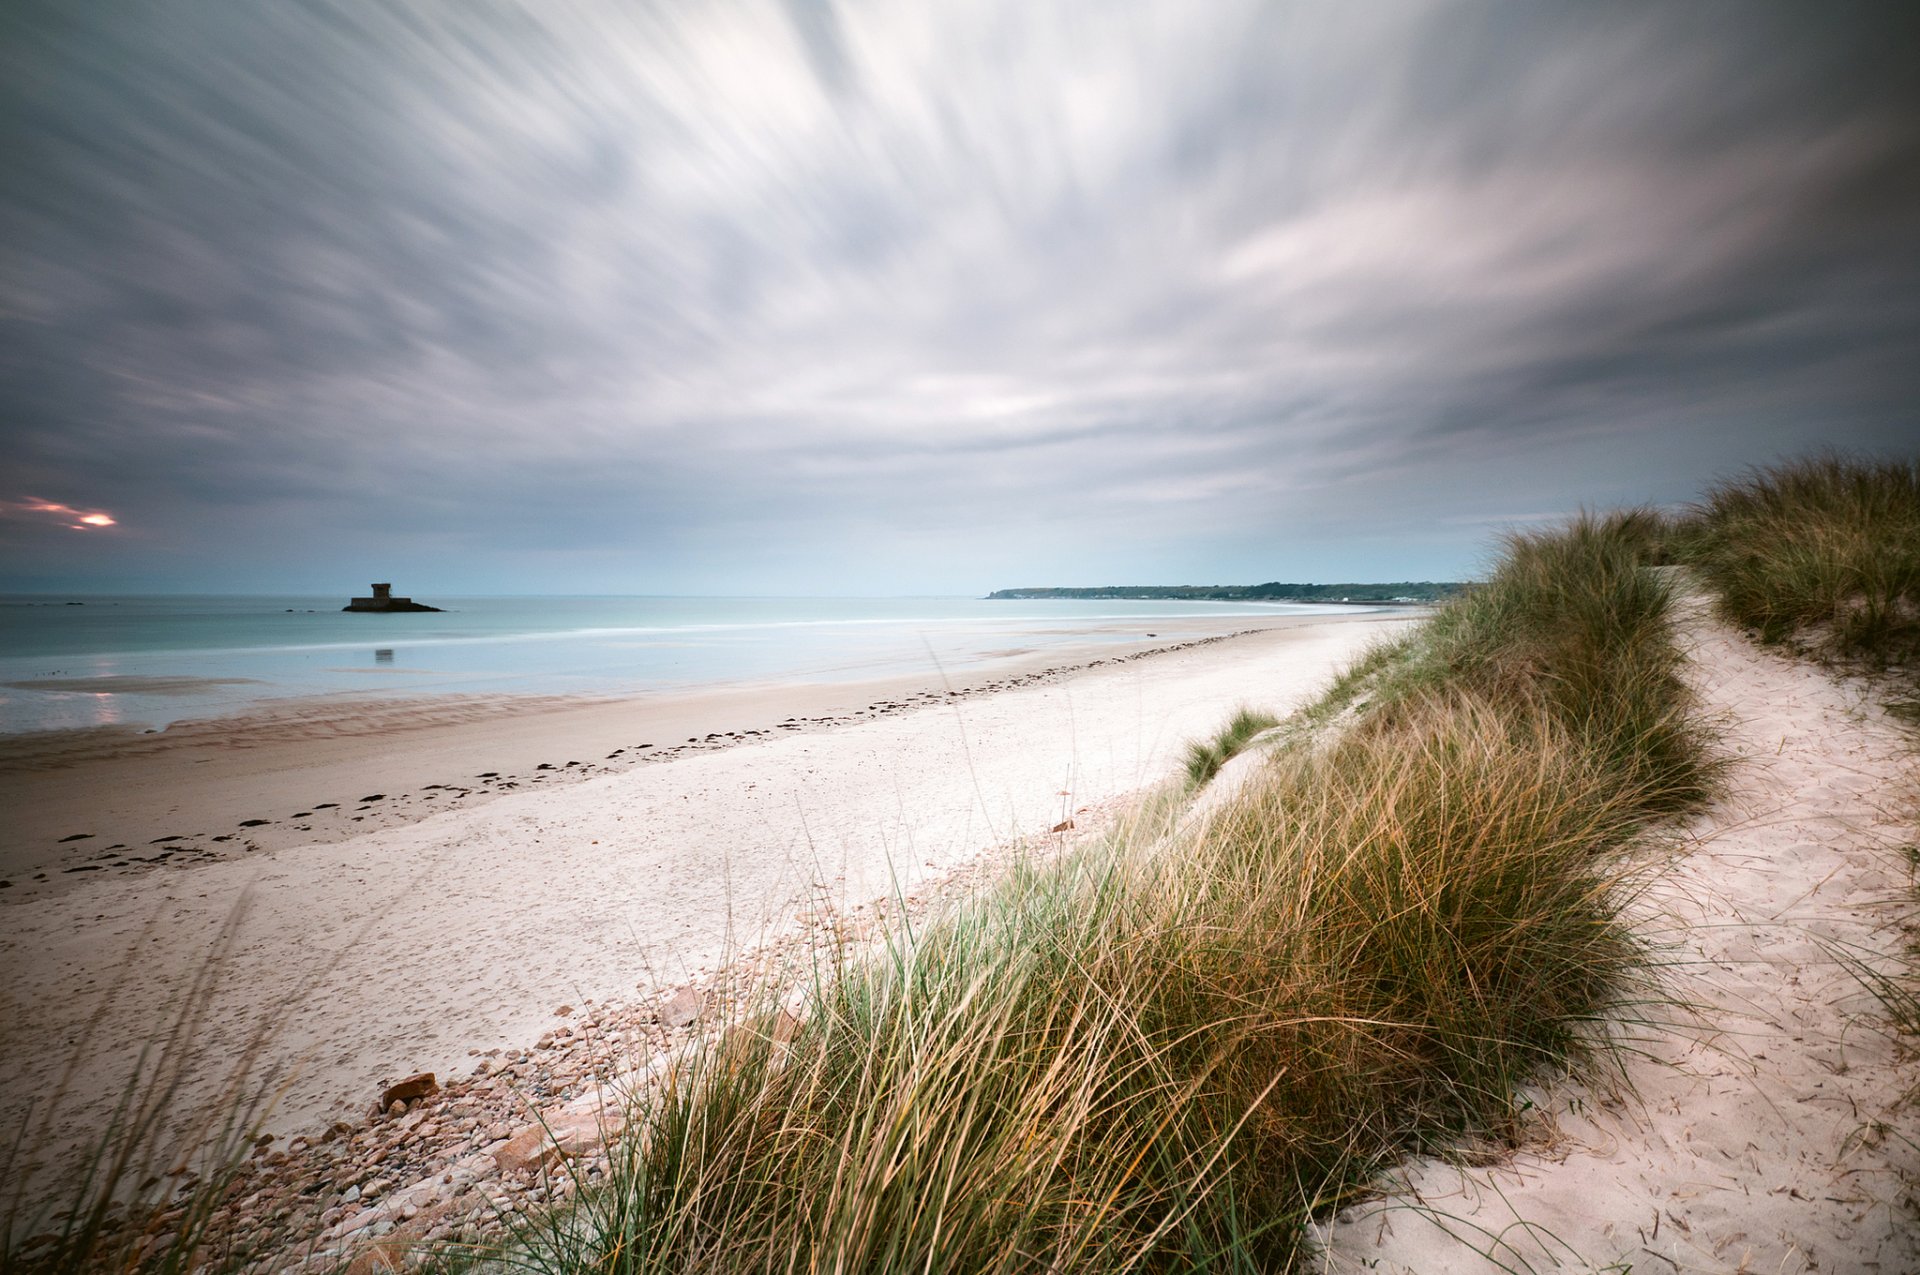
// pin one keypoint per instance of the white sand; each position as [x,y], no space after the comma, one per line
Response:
[401,948]
[1767,1135]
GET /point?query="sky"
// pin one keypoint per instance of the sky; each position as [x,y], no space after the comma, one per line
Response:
[915,298]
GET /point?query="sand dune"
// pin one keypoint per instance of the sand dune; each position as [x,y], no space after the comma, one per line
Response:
[1763,1131]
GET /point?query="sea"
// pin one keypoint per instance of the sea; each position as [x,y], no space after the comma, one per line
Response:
[78,661]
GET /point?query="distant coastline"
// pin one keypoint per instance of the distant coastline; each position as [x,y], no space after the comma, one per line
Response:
[1273,591]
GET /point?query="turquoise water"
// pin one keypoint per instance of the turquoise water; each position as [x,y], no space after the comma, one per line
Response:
[207,656]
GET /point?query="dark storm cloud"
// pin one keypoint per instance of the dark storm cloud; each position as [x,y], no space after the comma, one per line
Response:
[703,293]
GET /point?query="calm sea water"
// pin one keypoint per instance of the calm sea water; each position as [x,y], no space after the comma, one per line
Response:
[207,656]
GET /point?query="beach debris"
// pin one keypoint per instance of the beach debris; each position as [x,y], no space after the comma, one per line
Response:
[684,1009]
[1065,825]
[414,1087]
[78,836]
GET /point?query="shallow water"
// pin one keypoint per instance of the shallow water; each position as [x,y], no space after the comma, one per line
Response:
[170,658]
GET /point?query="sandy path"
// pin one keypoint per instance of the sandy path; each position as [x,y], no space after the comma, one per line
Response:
[1768,1135]
[404,947]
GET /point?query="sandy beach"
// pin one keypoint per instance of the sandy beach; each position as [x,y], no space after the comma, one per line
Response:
[480,891]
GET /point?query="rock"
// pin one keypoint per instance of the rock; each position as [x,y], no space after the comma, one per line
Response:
[684,1009]
[1065,825]
[380,1257]
[414,1087]
[563,1136]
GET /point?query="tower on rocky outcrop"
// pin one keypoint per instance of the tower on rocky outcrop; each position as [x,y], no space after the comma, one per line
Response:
[383,600]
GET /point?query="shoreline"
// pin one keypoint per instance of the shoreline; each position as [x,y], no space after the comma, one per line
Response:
[452,923]
[122,799]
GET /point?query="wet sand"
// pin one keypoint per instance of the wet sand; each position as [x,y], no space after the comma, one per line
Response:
[125,799]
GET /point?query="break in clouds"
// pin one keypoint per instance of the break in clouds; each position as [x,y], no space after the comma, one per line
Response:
[880,297]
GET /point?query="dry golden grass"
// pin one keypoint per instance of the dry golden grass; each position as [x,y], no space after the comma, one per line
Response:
[1166,1052]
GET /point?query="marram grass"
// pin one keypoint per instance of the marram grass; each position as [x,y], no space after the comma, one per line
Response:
[1823,553]
[1206,757]
[1166,1052]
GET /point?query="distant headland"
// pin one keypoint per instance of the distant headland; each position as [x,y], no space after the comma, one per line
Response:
[1274,591]
[383,600]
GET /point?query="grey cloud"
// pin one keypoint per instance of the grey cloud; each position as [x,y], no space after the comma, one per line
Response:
[1188,279]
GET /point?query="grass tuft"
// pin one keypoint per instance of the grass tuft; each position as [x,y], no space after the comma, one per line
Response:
[1206,757]
[1821,552]
[1574,621]
[143,1195]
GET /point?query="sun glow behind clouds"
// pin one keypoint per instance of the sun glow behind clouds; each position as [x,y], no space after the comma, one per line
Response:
[76,519]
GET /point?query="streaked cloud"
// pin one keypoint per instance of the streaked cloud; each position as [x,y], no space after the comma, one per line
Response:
[821,296]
